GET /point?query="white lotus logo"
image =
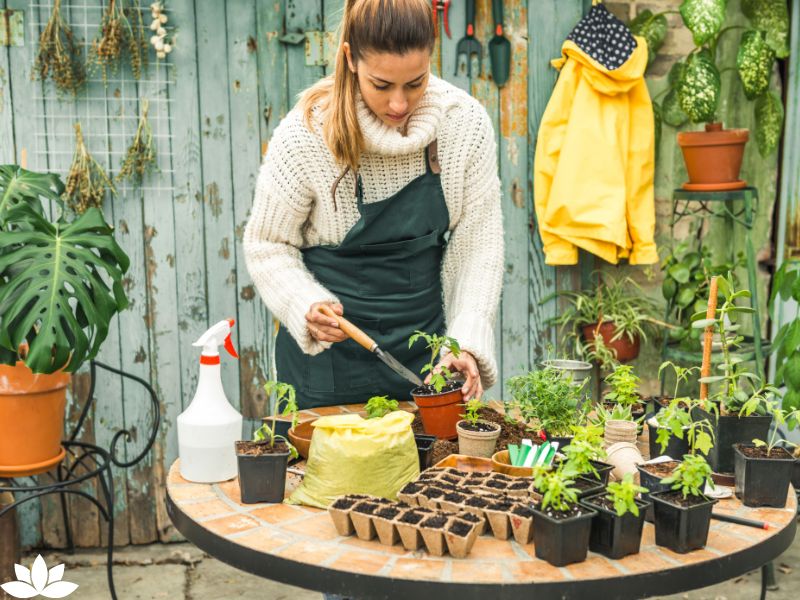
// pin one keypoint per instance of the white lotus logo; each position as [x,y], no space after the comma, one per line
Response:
[38,581]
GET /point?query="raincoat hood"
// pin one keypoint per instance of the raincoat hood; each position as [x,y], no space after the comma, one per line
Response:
[603,80]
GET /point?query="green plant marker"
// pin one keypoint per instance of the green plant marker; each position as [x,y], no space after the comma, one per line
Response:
[524,451]
[513,452]
[550,455]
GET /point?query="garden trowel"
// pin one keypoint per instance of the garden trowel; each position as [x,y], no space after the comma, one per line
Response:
[362,339]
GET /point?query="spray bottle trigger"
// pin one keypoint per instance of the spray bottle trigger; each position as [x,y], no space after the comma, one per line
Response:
[229,347]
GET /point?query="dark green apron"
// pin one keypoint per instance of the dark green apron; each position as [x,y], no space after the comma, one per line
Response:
[387,274]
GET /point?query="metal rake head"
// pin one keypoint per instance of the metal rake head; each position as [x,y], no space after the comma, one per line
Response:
[466,48]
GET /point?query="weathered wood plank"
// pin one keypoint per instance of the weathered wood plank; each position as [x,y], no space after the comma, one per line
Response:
[7,154]
[301,16]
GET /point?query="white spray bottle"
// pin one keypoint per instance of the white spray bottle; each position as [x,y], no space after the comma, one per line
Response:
[210,427]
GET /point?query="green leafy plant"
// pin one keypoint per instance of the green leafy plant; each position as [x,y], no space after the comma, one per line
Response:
[682,374]
[60,282]
[547,398]
[586,446]
[617,412]
[378,406]
[791,419]
[786,285]
[624,386]
[675,420]
[695,82]
[623,495]
[690,476]
[285,405]
[556,487]
[436,343]
[472,408]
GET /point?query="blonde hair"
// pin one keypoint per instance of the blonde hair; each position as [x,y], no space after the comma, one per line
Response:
[394,26]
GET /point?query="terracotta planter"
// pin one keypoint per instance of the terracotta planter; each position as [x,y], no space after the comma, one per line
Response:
[31,420]
[626,349]
[713,157]
[440,413]
[300,437]
[477,443]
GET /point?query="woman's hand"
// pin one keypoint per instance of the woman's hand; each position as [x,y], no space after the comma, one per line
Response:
[324,328]
[466,365]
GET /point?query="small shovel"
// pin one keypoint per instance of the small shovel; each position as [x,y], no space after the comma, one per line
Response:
[362,339]
[499,47]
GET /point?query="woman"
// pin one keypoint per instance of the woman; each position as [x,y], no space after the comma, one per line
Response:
[379,196]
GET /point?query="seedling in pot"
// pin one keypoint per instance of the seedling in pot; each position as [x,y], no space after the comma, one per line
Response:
[582,453]
[379,406]
[676,422]
[285,396]
[617,528]
[624,389]
[691,476]
[441,377]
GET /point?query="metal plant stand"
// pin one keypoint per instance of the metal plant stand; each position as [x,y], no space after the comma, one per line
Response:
[85,462]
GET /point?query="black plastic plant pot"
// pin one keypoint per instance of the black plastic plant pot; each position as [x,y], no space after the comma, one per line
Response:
[603,471]
[796,475]
[614,536]
[425,450]
[563,441]
[589,487]
[681,528]
[562,541]
[676,447]
[654,485]
[262,478]
[730,430]
[763,481]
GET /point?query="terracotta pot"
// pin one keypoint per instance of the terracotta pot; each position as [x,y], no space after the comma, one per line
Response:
[300,437]
[477,443]
[626,350]
[713,157]
[31,420]
[440,413]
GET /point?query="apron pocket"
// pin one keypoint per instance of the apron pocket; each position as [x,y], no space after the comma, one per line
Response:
[397,266]
[353,365]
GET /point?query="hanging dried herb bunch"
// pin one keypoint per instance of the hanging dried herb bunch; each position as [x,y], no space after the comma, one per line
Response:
[141,156]
[59,56]
[87,182]
[121,32]
[160,40]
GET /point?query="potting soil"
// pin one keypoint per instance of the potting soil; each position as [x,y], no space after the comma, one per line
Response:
[761,452]
[459,528]
[676,497]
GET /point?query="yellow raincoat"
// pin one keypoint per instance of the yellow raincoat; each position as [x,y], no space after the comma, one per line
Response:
[594,162]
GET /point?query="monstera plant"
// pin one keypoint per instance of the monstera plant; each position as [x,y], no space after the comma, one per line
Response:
[694,83]
[60,286]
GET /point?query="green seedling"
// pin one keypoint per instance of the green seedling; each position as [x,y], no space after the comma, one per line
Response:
[378,406]
[624,386]
[586,446]
[556,487]
[284,395]
[472,408]
[675,419]
[436,343]
[549,398]
[791,419]
[690,476]
[623,495]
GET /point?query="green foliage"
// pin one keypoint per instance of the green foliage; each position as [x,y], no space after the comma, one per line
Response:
[675,420]
[699,87]
[704,18]
[436,343]
[556,487]
[671,109]
[624,386]
[20,186]
[788,418]
[623,495]
[769,114]
[690,476]
[754,63]
[378,406]
[771,17]
[618,412]
[586,446]
[548,398]
[653,28]
[786,285]
[285,404]
[472,407]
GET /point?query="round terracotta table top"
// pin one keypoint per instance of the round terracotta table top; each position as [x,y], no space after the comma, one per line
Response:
[300,546]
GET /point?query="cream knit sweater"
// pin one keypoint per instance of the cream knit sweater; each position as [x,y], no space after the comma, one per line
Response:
[293,209]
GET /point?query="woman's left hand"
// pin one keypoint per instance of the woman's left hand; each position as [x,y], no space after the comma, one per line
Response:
[467,366]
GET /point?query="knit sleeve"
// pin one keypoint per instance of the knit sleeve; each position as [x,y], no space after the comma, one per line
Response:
[472,270]
[273,237]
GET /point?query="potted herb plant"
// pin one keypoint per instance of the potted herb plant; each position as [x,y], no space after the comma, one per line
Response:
[585,454]
[379,406]
[547,398]
[617,528]
[476,437]
[262,462]
[608,322]
[763,469]
[60,286]
[713,157]
[624,391]
[740,408]
[683,513]
[562,525]
[439,399]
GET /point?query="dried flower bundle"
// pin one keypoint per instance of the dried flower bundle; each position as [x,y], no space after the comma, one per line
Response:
[59,56]
[141,156]
[87,182]
[121,32]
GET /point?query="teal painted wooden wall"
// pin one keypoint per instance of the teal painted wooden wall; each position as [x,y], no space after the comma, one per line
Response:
[214,103]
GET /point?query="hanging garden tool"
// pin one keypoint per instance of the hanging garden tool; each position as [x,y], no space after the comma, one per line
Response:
[468,45]
[362,339]
[499,47]
[444,6]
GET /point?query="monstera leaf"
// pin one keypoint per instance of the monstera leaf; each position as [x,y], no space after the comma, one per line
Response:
[754,63]
[699,87]
[52,289]
[652,28]
[771,17]
[19,185]
[704,18]
[769,122]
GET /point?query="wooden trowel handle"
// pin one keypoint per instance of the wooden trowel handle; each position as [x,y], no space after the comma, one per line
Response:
[351,330]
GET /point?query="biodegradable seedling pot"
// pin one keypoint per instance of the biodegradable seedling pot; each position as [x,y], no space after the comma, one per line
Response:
[362,519]
[713,157]
[477,443]
[626,350]
[262,477]
[340,511]
[624,456]
[460,536]
[730,430]
[519,489]
[562,541]
[439,412]
[432,530]
[429,497]
[614,536]
[479,520]
[408,494]
[498,515]
[653,483]
[762,481]
[408,528]
[681,528]
[521,520]
[385,526]
[452,501]
[617,430]
[425,450]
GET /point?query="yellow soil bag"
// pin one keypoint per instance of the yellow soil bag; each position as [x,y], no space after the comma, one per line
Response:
[352,455]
